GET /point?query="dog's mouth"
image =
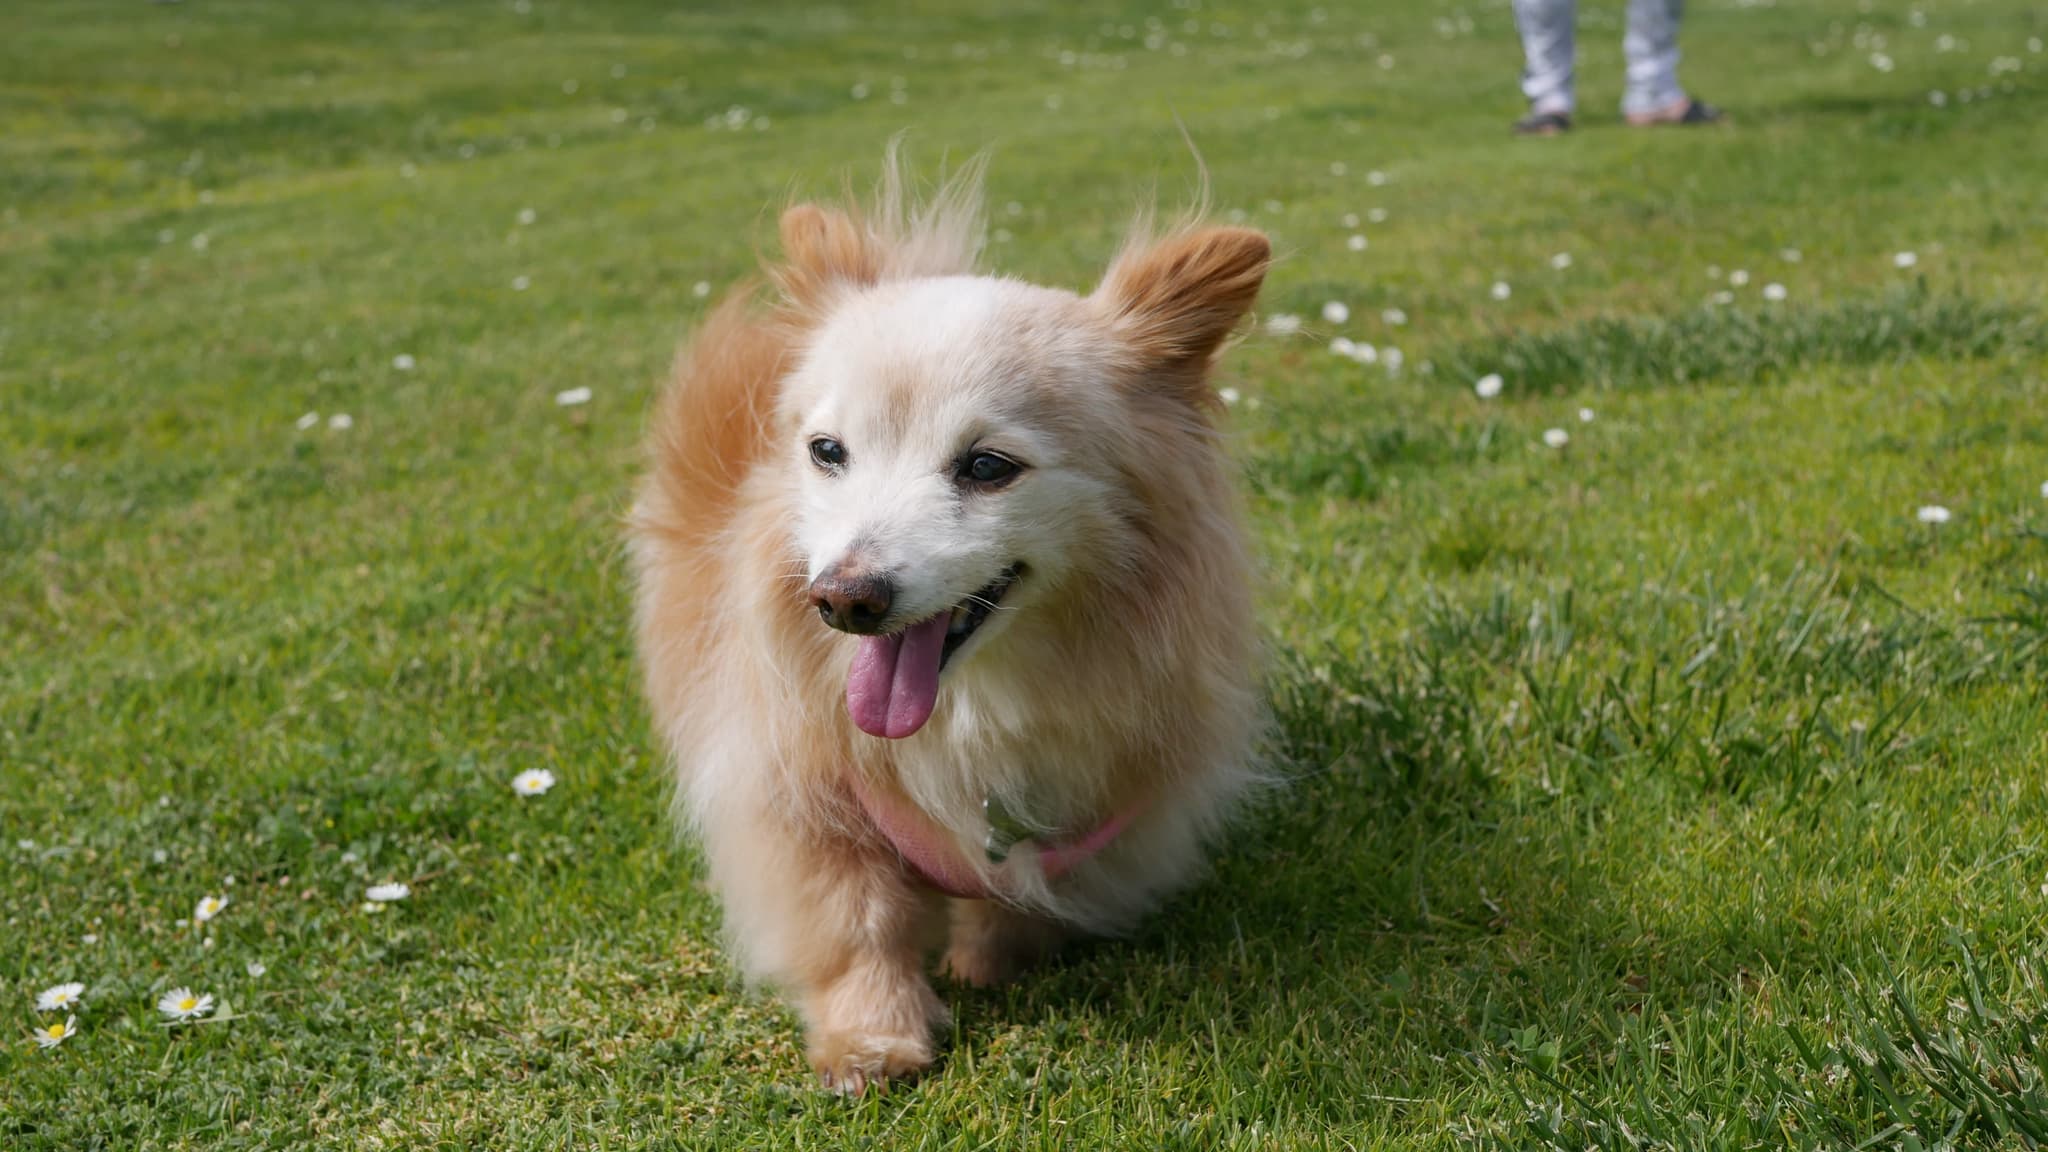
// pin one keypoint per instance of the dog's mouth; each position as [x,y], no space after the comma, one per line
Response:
[893,683]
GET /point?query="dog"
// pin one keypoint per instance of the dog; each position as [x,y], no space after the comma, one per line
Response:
[945,606]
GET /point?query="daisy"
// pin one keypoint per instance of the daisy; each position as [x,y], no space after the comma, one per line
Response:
[404,362]
[521,283]
[59,998]
[2044,491]
[1561,261]
[1775,293]
[56,1034]
[1356,243]
[208,908]
[1283,324]
[701,289]
[341,421]
[1789,255]
[1488,386]
[1739,277]
[385,893]
[1557,437]
[1394,316]
[572,397]
[1335,312]
[1391,357]
[1377,216]
[308,420]
[1377,178]
[1904,259]
[1501,291]
[1933,514]
[1365,353]
[1342,346]
[1585,415]
[1229,396]
[256,969]
[184,1004]
[527,216]
[535,781]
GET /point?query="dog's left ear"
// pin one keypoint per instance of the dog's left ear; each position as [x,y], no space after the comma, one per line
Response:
[1175,301]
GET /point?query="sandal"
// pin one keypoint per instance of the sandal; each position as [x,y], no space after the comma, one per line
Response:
[1688,113]
[1543,124]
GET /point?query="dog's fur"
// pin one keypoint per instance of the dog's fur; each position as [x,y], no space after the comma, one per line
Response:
[1119,673]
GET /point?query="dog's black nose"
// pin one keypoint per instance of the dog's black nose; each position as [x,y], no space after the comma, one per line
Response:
[852,601]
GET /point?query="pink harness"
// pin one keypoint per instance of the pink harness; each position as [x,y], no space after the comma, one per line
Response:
[934,858]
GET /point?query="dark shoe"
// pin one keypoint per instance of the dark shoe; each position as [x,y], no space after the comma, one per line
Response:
[1685,112]
[1544,124]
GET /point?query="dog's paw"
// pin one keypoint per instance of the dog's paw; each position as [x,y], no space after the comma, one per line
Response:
[980,963]
[847,1062]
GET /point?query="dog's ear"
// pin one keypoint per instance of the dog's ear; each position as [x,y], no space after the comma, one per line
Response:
[823,251]
[1175,301]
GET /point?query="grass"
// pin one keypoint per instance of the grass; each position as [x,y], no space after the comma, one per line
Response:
[1676,788]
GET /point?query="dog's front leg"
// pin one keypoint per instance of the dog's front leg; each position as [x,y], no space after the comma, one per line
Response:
[858,930]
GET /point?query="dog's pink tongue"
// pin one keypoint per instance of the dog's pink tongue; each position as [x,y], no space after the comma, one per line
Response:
[894,682]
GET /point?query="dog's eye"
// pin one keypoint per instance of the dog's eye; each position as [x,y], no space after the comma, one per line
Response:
[988,469]
[828,454]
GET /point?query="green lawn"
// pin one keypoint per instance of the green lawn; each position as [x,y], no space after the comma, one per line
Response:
[1679,786]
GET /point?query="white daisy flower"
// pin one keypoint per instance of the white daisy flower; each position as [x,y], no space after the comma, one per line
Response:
[1722,297]
[341,421]
[1229,396]
[1585,415]
[1938,98]
[208,908]
[255,969]
[1342,346]
[1739,277]
[1501,291]
[528,216]
[1377,216]
[1338,168]
[701,289]
[1713,271]
[90,938]
[200,242]
[1789,255]
[1905,259]
[572,397]
[56,1034]
[1933,514]
[1556,437]
[1365,353]
[1356,243]
[59,998]
[535,781]
[1561,261]
[372,907]
[385,893]
[1775,293]
[1391,357]
[2044,490]
[184,1004]
[1283,324]
[1335,312]
[1394,316]
[308,420]
[1880,61]
[404,362]
[1488,386]
[521,283]
[349,857]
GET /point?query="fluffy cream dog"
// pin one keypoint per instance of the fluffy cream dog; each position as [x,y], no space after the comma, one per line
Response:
[945,607]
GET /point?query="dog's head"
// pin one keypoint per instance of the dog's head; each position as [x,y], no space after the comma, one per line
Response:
[963,445]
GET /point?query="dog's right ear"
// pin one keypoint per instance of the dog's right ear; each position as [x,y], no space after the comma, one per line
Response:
[824,251]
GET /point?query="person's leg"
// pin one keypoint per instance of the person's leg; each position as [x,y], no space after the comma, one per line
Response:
[1547,46]
[1651,46]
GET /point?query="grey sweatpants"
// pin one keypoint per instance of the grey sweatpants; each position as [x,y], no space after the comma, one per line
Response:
[1651,47]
